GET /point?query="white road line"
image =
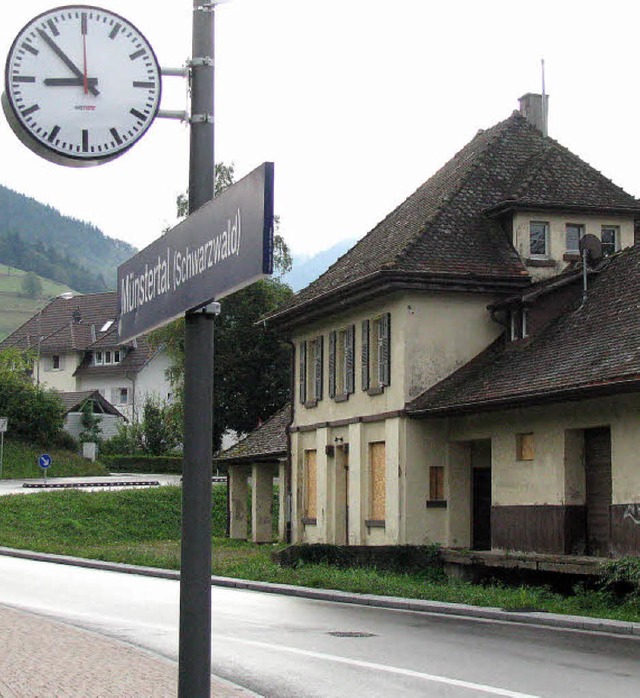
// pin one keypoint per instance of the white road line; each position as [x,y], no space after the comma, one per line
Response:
[493,690]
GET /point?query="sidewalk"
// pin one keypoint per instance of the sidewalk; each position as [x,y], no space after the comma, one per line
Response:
[43,658]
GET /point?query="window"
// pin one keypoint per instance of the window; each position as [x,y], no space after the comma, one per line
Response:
[311,373]
[524,446]
[116,356]
[436,483]
[120,396]
[341,363]
[378,477]
[55,362]
[538,239]
[376,353]
[107,357]
[310,487]
[518,324]
[574,232]
[98,358]
[107,325]
[610,236]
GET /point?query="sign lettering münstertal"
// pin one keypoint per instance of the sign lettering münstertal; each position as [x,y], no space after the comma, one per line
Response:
[224,246]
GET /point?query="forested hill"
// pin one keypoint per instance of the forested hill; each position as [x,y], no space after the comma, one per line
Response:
[41,229]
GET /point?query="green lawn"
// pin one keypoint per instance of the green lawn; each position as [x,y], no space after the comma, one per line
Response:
[20,460]
[142,527]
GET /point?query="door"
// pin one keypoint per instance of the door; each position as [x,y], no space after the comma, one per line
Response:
[342,495]
[597,463]
[481,508]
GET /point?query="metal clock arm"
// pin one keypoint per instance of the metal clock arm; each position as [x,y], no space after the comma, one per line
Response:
[66,60]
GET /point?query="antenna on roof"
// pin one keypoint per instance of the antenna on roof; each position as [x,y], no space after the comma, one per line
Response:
[591,251]
[544,102]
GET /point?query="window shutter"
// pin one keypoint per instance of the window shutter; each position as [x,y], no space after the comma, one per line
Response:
[332,364]
[365,354]
[318,367]
[385,349]
[303,372]
[350,349]
[115,396]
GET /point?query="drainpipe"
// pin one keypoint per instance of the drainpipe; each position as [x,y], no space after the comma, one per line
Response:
[131,377]
[288,496]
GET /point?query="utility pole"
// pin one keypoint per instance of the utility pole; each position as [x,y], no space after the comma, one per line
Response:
[194,679]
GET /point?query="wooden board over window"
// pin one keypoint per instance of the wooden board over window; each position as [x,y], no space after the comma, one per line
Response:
[377,458]
[436,483]
[310,485]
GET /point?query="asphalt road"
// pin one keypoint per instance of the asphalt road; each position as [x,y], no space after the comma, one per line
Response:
[281,646]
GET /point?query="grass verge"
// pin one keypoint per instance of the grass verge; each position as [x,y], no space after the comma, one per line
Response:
[20,460]
[143,528]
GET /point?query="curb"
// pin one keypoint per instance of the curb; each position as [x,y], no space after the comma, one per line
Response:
[551,620]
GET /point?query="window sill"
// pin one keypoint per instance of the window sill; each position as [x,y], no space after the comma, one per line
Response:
[375,523]
[343,397]
[310,404]
[571,257]
[378,390]
[436,503]
[308,521]
[540,262]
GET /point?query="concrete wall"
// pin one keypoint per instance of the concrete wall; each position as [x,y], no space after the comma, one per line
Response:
[557,235]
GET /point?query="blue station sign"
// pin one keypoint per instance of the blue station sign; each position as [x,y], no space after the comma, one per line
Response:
[225,245]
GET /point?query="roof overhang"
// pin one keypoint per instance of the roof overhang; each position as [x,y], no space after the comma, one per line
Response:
[513,206]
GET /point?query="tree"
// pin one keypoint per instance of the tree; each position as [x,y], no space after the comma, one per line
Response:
[31,285]
[252,366]
[90,422]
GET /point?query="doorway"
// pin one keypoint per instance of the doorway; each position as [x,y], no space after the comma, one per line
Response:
[342,495]
[597,465]
[481,495]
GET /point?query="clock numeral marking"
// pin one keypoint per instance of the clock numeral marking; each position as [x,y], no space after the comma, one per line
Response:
[138,114]
[54,132]
[116,136]
[29,110]
[85,140]
[30,48]
[137,83]
[115,30]
[23,78]
[52,28]
[83,23]
[138,54]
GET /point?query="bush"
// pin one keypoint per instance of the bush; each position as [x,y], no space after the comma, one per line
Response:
[155,465]
[622,576]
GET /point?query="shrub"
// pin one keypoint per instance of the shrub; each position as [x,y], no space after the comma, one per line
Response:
[140,463]
[622,576]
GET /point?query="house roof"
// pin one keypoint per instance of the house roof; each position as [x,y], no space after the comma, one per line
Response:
[74,401]
[447,231]
[592,349]
[79,323]
[266,443]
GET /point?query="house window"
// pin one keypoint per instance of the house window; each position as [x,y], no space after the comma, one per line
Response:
[574,232]
[518,324]
[538,239]
[610,236]
[55,362]
[525,446]
[376,353]
[310,487]
[341,363]
[436,483]
[311,373]
[120,396]
[107,357]
[377,485]
[98,358]
[116,356]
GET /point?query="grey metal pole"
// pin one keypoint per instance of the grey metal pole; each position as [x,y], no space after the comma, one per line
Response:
[194,672]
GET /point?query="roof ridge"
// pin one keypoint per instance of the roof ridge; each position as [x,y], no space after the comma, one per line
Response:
[501,129]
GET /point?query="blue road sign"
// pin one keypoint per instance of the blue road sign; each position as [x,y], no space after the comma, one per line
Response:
[44,461]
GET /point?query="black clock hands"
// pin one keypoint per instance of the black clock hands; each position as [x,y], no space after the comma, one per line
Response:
[67,61]
[70,82]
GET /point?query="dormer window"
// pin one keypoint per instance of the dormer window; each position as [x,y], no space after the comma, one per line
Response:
[98,358]
[538,239]
[574,232]
[108,358]
[610,236]
[518,324]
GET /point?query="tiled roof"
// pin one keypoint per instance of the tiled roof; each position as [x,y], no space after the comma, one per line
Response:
[444,230]
[75,324]
[592,349]
[73,401]
[268,441]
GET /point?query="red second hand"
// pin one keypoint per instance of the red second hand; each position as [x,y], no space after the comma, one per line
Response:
[84,50]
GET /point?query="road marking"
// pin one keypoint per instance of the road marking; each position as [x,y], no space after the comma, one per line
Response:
[493,690]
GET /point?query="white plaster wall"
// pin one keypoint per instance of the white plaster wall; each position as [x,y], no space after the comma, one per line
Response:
[61,379]
[557,235]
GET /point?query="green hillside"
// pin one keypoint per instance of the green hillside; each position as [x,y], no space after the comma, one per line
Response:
[44,226]
[16,307]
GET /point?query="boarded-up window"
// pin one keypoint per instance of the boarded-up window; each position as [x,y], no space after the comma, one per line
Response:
[436,482]
[310,485]
[524,446]
[378,480]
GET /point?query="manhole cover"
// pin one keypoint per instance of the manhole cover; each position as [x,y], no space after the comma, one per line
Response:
[350,633]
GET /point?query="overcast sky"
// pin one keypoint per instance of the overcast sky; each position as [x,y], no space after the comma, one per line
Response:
[357,102]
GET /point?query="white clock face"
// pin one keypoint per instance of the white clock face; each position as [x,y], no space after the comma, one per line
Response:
[82,85]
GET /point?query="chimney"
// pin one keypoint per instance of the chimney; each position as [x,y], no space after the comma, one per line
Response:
[535,110]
